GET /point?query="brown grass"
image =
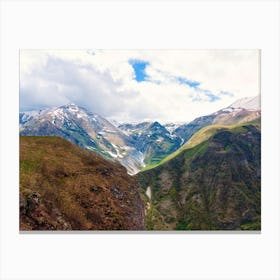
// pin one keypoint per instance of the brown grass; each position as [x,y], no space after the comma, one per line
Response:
[75,186]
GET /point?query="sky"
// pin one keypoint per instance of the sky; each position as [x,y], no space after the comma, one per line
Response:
[138,85]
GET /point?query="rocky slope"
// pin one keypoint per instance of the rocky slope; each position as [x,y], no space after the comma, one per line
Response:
[63,187]
[152,139]
[214,184]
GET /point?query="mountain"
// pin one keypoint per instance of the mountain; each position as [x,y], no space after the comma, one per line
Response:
[202,175]
[87,130]
[243,110]
[64,187]
[136,146]
[248,103]
[152,139]
[171,126]
[133,145]
[212,184]
[25,117]
[185,131]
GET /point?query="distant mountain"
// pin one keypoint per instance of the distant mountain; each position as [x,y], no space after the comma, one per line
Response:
[243,110]
[87,130]
[211,183]
[133,129]
[171,126]
[64,187]
[152,139]
[248,103]
[25,117]
[185,132]
[134,145]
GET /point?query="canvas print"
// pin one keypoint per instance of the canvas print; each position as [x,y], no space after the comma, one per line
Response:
[139,140]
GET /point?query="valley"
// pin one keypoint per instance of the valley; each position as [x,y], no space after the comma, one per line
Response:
[200,175]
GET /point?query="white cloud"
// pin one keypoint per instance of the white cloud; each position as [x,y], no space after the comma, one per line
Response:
[103,81]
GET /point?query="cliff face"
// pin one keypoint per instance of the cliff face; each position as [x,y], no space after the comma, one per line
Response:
[63,187]
[214,185]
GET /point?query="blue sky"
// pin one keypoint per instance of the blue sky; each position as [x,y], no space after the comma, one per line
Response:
[212,97]
[139,68]
[135,85]
[187,82]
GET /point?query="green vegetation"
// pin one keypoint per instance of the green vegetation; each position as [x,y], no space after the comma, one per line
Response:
[228,147]
[251,226]
[157,152]
[203,135]
[212,183]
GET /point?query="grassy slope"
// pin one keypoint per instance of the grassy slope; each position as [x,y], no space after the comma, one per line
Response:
[200,136]
[64,187]
[211,185]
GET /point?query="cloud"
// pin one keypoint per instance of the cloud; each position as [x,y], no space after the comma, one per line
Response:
[138,85]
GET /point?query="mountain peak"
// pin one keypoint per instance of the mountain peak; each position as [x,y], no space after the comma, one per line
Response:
[70,105]
[73,108]
[155,124]
[248,103]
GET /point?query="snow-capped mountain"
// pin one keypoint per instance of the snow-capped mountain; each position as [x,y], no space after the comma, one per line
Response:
[173,125]
[134,128]
[87,130]
[243,110]
[24,117]
[152,139]
[248,103]
[134,145]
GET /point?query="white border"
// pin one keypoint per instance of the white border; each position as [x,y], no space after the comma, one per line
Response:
[157,24]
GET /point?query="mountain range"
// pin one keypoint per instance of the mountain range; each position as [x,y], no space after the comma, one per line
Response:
[200,175]
[243,110]
[134,145]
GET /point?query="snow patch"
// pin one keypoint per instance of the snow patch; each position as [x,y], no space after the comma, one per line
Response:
[248,103]
[112,154]
[228,110]
[109,131]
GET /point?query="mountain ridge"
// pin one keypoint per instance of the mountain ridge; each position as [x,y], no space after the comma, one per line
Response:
[136,146]
[234,113]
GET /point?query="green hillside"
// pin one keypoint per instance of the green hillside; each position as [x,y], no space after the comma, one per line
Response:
[202,135]
[211,183]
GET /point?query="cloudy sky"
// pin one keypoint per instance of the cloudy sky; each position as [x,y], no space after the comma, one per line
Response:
[134,85]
